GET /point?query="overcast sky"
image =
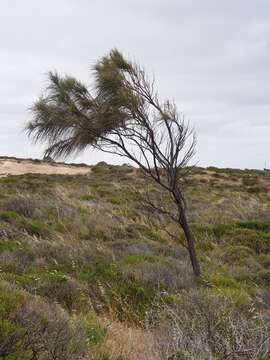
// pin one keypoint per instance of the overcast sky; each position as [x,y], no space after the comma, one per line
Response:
[212,57]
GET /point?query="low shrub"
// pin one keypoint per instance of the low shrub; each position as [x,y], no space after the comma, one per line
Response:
[54,286]
[254,225]
[206,324]
[254,235]
[237,254]
[23,205]
[34,227]
[9,216]
[261,278]
[137,259]
[221,280]
[127,297]
[31,329]
[250,180]
[94,331]
[9,245]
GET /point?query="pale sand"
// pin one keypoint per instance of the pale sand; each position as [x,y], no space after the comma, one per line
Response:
[20,167]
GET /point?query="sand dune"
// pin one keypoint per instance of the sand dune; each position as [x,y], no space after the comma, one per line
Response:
[14,166]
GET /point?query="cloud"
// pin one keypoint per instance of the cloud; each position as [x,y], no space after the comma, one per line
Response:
[211,57]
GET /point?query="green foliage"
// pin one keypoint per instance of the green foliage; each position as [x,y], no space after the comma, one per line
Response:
[9,302]
[9,245]
[34,227]
[235,254]
[88,197]
[250,180]
[9,216]
[29,328]
[136,259]
[108,357]
[220,280]
[254,225]
[250,234]
[222,229]
[94,332]
[129,298]
[261,277]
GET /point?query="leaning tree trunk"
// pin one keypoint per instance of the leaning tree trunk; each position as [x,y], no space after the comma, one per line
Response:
[178,198]
[190,245]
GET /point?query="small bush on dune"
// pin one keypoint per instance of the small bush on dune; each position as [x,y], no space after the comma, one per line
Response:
[31,329]
[52,286]
[261,277]
[204,325]
[249,180]
[94,331]
[9,245]
[158,273]
[31,226]
[127,297]
[34,227]
[237,253]
[264,260]
[254,235]
[255,225]
[23,205]
[9,216]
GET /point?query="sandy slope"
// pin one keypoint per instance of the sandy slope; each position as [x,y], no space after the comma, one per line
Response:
[12,166]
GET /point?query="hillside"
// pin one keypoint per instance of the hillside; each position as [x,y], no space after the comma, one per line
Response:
[89,272]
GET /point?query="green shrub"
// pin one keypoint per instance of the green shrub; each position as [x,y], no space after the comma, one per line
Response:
[34,227]
[221,280]
[9,216]
[136,259]
[30,328]
[55,286]
[108,357]
[206,324]
[9,302]
[222,229]
[260,278]
[94,332]
[23,205]
[237,253]
[254,225]
[250,180]
[258,241]
[87,197]
[9,245]
[136,230]
[256,189]
[250,234]
[9,180]
[264,260]
[129,298]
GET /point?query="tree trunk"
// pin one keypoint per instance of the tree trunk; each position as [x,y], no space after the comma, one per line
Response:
[191,245]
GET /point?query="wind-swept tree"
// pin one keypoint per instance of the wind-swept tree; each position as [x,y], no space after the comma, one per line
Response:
[122,115]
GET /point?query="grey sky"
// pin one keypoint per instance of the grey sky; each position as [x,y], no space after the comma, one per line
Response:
[211,57]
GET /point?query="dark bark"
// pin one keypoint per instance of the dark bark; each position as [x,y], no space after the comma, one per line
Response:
[181,204]
[190,245]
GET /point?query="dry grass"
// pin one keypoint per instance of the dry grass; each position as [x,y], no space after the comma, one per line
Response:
[129,342]
[88,244]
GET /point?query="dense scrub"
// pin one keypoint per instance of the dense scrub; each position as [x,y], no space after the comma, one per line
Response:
[81,255]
